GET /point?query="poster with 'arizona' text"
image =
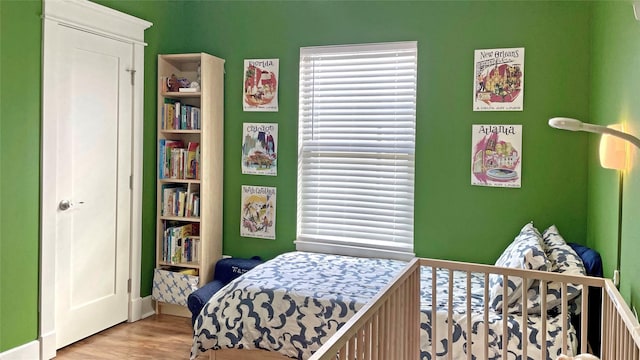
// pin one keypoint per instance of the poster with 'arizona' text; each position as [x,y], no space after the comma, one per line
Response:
[499,80]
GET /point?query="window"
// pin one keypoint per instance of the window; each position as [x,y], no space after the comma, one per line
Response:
[356,142]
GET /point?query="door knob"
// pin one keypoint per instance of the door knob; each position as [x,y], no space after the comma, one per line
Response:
[65,205]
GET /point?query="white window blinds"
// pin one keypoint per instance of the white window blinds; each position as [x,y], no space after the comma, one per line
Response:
[356,149]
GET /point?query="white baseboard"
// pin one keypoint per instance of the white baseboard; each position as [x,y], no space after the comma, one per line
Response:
[28,351]
[135,310]
[148,307]
[141,308]
[48,345]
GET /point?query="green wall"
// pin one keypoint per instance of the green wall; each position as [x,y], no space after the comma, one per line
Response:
[454,220]
[20,36]
[614,99]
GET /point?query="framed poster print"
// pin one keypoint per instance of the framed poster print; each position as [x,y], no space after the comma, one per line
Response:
[259,148]
[258,212]
[260,85]
[496,155]
[498,80]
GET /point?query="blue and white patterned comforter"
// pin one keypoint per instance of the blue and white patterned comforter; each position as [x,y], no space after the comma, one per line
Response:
[295,302]
[291,304]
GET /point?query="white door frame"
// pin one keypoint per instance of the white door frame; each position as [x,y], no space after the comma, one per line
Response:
[93,18]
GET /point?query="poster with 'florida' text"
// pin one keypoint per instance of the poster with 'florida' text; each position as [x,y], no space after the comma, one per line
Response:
[260,85]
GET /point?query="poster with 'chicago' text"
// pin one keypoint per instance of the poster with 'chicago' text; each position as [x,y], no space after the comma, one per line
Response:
[260,85]
[259,148]
[496,155]
[499,80]
[258,212]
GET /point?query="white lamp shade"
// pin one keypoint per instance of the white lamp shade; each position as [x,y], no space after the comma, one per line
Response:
[613,150]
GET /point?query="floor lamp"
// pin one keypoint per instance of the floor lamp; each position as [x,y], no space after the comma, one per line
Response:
[613,155]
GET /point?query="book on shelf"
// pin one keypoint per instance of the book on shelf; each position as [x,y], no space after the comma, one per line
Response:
[163,84]
[170,198]
[172,242]
[178,201]
[182,198]
[168,157]
[180,243]
[178,116]
[162,145]
[195,116]
[188,90]
[193,205]
[189,117]
[173,205]
[168,114]
[182,233]
[177,161]
[193,160]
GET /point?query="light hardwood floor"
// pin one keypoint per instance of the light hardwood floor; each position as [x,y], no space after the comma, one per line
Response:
[162,337]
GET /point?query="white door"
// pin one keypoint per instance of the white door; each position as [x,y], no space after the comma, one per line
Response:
[92,184]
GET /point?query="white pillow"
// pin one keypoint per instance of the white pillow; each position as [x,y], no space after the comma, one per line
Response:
[525,252]
[563,260]
[562,256]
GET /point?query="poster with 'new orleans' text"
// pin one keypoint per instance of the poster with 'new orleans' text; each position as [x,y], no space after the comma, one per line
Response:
[499,80]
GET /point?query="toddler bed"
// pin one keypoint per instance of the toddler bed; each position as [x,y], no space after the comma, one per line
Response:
[363,308]
[291,304]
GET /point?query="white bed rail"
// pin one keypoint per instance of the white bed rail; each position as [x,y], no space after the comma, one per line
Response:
[620,330]
[388,327]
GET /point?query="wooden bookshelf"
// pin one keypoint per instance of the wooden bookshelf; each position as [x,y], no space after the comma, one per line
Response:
[198,173]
